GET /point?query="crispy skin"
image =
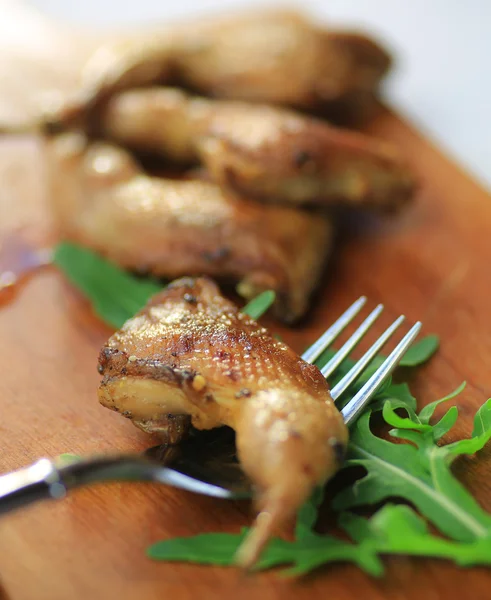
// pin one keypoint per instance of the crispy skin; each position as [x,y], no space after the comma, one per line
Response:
[172,228]
[261,151]
[191,352]
[267,57]
[276,57]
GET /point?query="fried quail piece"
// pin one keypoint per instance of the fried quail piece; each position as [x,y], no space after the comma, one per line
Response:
[273,56]
[277,57]
[171,228]
[261,151]
[191,352]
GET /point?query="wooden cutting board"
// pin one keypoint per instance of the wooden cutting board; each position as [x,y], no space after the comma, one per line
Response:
[432,264]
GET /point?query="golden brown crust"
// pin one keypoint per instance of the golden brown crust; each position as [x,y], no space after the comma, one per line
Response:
[190,329]
[172,228]
[191,339]
[275,56]
[267,56]
[261,151]
[191,352]
[281,57]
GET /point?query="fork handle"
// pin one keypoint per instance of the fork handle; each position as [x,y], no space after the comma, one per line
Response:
[44,480]
[39,481]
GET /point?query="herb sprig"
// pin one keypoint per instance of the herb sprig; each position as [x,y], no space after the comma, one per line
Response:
[115,295]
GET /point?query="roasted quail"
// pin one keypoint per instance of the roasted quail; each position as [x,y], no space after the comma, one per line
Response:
[261,151]
[191,353]
[276,57]
[170,228]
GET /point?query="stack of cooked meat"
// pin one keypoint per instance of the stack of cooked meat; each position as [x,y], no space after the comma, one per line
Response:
[251,203]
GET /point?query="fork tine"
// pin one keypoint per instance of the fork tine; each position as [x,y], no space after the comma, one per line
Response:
[360,400]
[326,339]
[353,374]
[329,368]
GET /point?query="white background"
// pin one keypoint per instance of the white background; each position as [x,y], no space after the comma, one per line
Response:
[443,76]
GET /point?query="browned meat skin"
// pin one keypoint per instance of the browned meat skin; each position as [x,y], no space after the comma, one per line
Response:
[191,352]
[264,152]
[367,64]
[172,228]
[267,57]
[277,57]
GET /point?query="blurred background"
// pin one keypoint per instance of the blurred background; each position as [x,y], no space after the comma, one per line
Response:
[442,79]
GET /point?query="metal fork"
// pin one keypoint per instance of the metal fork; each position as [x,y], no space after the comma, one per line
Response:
[206,463]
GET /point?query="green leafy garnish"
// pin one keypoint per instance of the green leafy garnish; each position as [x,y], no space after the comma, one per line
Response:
[307,551]
[420,352]
[67,458]
[259,305]
[416,470]
[397,529]
[115,294]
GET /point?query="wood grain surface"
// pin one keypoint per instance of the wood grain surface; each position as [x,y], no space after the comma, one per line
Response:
[432,263]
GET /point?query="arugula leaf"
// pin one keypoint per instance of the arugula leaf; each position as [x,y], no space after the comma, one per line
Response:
[307,515]
[318,550]
[428,410]
[259,305]
[203,549]
[308,551]
[481,434]
[399,396]
[411,422]
[418,472]
[420,352]
[67,457]
[304,555]
[115,294]
[397,529]
[482,422]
